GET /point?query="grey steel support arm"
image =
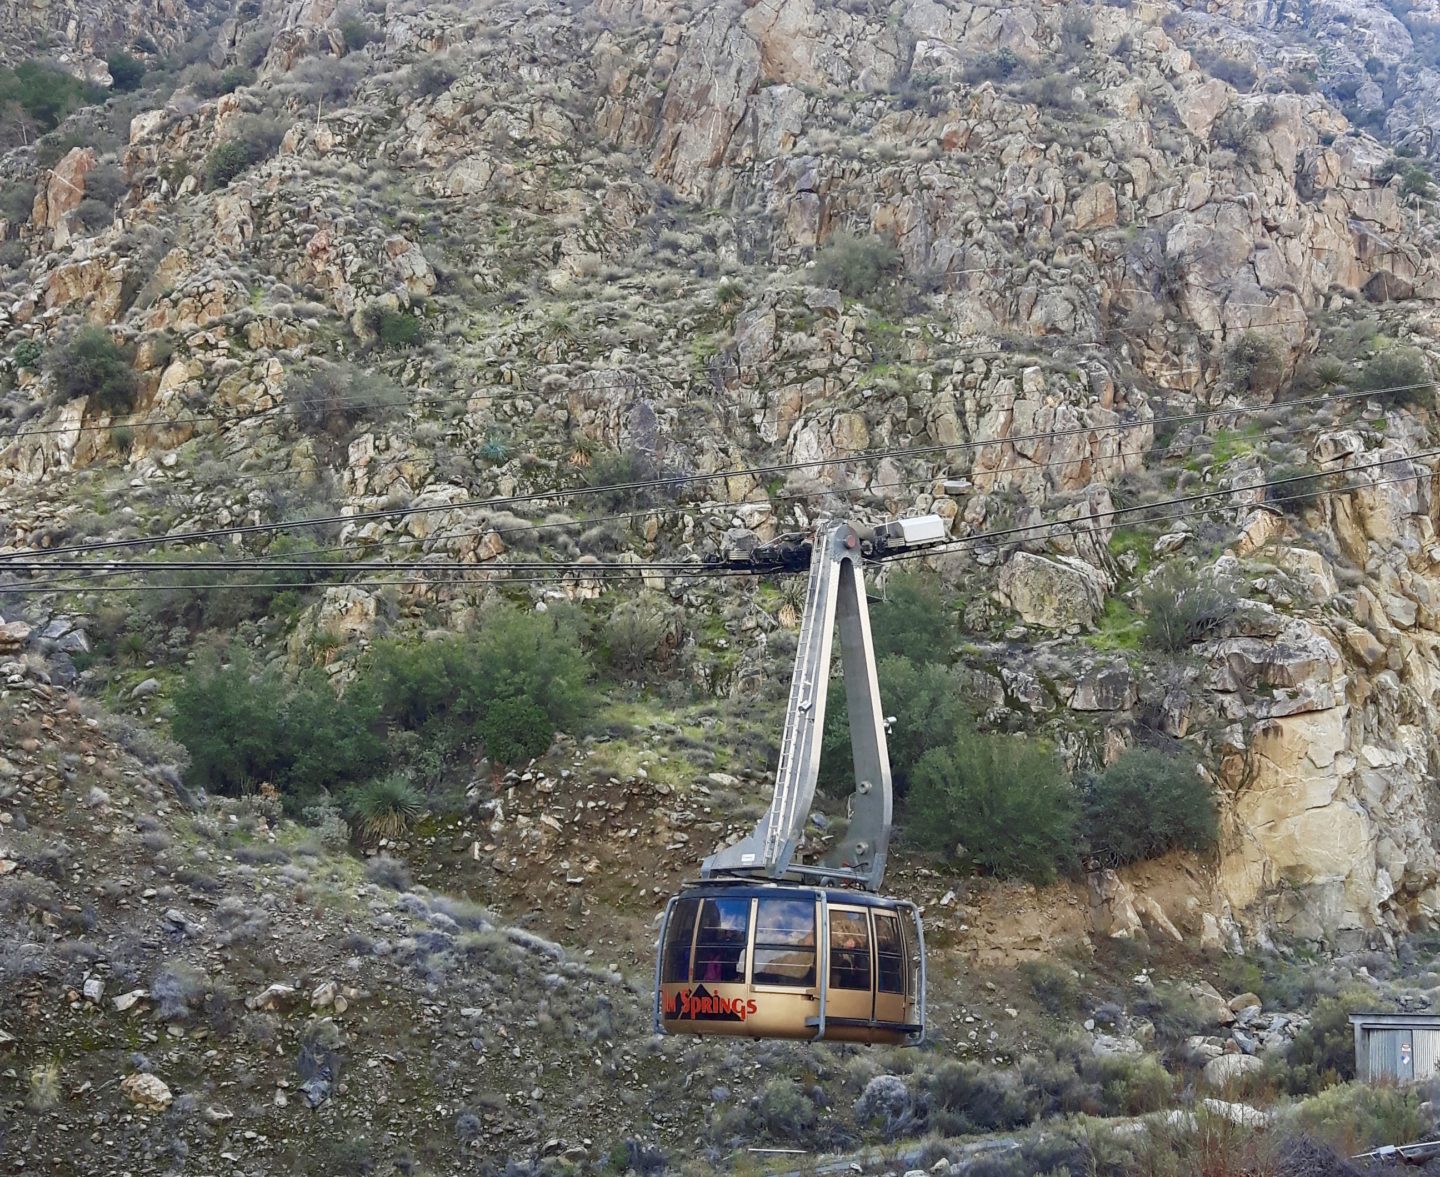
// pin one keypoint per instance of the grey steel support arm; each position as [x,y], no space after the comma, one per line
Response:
[836,592]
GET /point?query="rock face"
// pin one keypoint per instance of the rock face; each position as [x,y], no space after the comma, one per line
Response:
[1053,593]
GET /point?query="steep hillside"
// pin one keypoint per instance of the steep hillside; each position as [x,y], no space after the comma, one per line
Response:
[1139,297]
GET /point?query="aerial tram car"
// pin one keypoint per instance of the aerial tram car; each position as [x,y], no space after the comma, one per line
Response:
[765,946]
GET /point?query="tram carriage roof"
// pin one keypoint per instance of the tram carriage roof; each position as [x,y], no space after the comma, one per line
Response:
[746,889]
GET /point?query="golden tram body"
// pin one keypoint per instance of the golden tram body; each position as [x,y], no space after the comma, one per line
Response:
[777,960]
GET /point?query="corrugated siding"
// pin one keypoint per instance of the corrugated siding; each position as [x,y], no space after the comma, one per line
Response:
[1427,1053]
[1383,1054]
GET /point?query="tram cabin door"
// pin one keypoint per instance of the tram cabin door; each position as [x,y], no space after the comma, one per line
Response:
[867,966]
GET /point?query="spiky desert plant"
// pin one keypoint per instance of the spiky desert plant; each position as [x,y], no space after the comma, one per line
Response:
[385,807]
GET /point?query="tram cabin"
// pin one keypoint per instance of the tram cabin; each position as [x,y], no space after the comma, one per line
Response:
[782,961]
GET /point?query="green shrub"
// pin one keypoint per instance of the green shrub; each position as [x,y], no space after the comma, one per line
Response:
[394,329]
[357,33]
[234,77]
[516,730]
[46,94]
[634,633]
[913,619]
[533,656]
[783,1111]
[242,728]
[334,398]
[967,1098]
[1398,376]
[1054,987]
[1181,609]
[992,67]
[1295,489]
[1254,365]
[125,71]
[431,77]
[929,703]
[252,141]
[1357,1116]
[445,688]
[17,201]
[1146,803]
[1240,74]
[1000,804]
[27,353]
[94,365]
[1415,178]
[384,807]
[855,266]
[622,480]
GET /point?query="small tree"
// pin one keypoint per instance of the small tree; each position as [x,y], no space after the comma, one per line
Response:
[126,72]
[855,266]
[1398,376]
[1146,803]
[1182,609]
[1295,489]
[516,730]
[394,330]
[913,620]
[1254,365]
[1000,804]
[94,365]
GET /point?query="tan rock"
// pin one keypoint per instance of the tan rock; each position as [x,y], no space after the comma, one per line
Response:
[1095,207]
[64,187]
[147,1092]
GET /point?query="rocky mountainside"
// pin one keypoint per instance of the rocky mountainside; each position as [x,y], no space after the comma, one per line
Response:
[1044,269]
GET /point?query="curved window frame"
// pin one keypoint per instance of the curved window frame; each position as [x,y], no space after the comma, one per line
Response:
[797,942]
[853,963]
[680,935]
[730,952]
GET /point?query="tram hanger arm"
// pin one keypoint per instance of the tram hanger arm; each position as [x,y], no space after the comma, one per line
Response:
[835,593]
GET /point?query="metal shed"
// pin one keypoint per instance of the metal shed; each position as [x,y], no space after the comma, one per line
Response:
[1396,1048]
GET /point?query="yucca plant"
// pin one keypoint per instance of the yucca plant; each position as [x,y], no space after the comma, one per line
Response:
[792,601]
[385,807]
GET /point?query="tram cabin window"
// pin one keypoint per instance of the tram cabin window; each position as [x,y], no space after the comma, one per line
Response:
[849,950]
[784,942]
[889,954]
[679,938]
[720,942]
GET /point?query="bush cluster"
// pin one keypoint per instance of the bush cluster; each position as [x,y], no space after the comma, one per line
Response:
[1148,802]
[394,329]
[334,398]
[413,709]
[855,266]
[1295,489]
[1004,805]
[126,71]
[92,364]
[999,804]
[1399,377]
[43,94]
[252,141]
[1182,608]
